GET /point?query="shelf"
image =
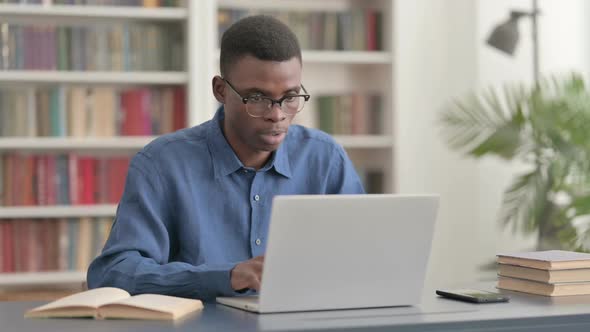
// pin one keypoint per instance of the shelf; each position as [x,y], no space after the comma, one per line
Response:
[291,5]
[93,77]
[343,57]
[74,143]
[60,211]
[42,278]
[138,142]
[347,57]
[364,141]
[65,13]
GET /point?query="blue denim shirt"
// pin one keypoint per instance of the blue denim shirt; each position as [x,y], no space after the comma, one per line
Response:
[191,211]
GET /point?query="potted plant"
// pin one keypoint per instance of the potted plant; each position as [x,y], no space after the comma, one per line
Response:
[547,129]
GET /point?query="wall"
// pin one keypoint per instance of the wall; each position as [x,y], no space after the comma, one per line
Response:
[564,46]
[440,54]
[435,59]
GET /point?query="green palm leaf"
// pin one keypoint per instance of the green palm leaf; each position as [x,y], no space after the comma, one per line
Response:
[489,124]
[547,127]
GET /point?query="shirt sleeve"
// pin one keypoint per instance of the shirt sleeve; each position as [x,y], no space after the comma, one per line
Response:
[342,177]
[136,255]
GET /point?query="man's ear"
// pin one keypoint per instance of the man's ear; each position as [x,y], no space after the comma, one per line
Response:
[218,85]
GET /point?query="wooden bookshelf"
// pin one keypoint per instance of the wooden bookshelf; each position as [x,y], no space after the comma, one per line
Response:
[325,72]
[32,218]
[339,69]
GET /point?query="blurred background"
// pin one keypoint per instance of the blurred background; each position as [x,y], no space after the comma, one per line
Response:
[85,84]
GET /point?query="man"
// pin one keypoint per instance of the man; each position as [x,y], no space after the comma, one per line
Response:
[194,215]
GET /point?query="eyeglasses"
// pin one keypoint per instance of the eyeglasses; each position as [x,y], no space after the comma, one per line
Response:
[258,105]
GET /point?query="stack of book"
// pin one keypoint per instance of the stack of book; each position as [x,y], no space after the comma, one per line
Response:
[549,273]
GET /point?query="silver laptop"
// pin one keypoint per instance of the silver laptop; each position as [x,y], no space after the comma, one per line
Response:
[329,252]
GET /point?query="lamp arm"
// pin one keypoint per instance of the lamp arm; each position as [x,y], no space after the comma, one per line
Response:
[535,43]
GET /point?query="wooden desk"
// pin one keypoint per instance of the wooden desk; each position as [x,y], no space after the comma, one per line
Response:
[522,313]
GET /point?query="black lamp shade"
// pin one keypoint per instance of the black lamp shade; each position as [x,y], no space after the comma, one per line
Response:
[505,36]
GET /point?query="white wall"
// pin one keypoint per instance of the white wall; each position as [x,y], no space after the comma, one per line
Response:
[564,28]
[435,59]
[564,46]
[441,53]
[494,175]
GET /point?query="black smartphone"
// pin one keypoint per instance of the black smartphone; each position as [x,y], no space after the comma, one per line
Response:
[473,295]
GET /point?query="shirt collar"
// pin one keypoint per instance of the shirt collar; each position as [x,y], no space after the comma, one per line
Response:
[226,162]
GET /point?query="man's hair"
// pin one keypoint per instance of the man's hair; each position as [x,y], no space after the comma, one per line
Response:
[263,37]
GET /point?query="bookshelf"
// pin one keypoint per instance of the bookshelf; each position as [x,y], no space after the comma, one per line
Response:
[33,219]
[341,71]
[326,72]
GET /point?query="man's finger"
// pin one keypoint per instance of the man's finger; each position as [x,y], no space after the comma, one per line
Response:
[256,284]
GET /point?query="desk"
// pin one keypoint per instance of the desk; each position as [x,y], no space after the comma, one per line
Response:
[522,313]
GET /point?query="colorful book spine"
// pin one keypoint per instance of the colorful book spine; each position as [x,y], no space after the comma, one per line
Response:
[129,47]
[357,29]
[92,111]
[350,114]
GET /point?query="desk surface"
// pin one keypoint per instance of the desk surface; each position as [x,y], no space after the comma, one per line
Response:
[523,313]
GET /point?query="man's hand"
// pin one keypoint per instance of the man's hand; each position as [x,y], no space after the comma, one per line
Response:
[247,274]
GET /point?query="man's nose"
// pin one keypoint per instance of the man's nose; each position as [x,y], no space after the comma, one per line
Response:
[275,113]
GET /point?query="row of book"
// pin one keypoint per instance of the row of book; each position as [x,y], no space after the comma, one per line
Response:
[548,273]
[129,3]
[34,245]
[356,29]
[113,47]
[353,114]
[29,180]
[91,112]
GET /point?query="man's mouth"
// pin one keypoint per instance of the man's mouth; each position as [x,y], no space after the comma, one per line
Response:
[274,137]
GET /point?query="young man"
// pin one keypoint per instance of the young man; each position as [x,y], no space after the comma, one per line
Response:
[194,216]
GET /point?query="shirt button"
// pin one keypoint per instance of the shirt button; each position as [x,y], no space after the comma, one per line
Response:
[256,198]
[258,242]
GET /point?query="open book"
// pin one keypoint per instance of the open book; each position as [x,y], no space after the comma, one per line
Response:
[109,302]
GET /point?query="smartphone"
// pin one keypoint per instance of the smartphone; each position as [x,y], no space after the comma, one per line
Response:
[473,295]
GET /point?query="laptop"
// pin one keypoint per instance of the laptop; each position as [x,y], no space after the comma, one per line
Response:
[328,252]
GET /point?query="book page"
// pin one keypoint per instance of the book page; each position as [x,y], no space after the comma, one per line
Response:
[174,306]
[550,255]
[93,298]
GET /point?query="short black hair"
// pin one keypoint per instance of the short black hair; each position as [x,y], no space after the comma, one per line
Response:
[261,36]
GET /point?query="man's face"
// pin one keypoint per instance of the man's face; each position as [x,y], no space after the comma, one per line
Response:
[251,76]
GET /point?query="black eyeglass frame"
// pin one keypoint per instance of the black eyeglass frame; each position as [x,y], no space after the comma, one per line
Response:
[245,100]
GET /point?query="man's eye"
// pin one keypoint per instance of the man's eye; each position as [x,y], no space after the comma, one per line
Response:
[290,98]
[255,99]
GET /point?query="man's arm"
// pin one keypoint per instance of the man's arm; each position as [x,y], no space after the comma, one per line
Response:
[342,177]
[135,257]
